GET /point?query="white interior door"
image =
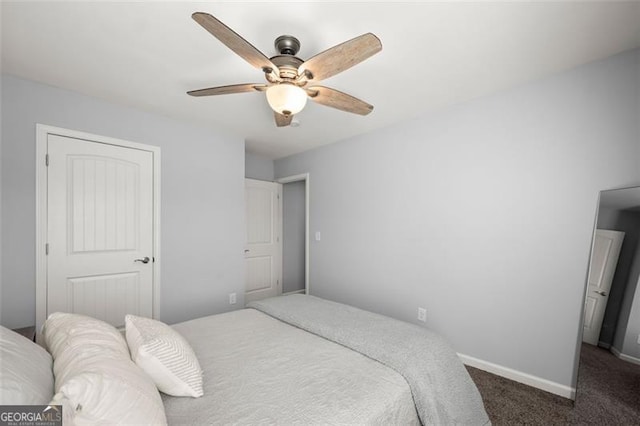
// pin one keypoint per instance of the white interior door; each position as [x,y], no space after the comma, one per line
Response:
[263,249]
[99,229]
[604,259]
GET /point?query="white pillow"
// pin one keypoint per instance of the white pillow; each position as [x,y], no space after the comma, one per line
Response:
[26,376]
[165,355]
[96,382]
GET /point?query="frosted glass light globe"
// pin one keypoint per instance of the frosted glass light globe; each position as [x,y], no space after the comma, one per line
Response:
[286,98]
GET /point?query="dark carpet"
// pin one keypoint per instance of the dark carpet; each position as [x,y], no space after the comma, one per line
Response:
[608,394]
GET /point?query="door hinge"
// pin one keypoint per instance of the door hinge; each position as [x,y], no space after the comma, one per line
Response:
[46,249]
[46,160]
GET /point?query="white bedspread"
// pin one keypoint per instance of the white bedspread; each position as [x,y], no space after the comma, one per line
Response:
[260,370]
[443,391]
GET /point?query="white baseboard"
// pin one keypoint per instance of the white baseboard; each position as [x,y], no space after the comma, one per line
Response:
[293,292]
[624,357]
[518,376]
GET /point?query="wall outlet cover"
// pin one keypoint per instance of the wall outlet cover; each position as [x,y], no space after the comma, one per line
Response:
[422,314]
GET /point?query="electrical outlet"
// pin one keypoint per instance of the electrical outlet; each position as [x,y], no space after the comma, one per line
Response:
[422,314]
[232,298]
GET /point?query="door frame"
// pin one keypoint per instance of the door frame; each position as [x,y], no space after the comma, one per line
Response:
[42,133]
[307,187]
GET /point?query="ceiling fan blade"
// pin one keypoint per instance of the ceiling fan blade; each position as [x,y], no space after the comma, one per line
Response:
[341,57]
[336,99]
[235,42]
[282,120]
[226,90]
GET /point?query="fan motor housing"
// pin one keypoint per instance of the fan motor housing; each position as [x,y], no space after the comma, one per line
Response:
[287,45]
[288,65]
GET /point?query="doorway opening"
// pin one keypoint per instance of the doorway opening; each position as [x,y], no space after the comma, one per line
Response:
[295,247]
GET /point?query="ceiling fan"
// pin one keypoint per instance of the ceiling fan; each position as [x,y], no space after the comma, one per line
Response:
[290,80]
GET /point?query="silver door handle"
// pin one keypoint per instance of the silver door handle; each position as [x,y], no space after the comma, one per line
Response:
[145,260]
[601,293]
[246,251]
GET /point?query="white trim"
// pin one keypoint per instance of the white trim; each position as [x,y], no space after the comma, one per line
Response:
[294,178]
[157,161]
[41,227]
[307,197]
[625,357]
[42,131]
[293,292]
[520,377]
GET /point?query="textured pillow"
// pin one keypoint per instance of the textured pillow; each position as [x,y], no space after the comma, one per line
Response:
[165,355]
[95,380]
[26,376]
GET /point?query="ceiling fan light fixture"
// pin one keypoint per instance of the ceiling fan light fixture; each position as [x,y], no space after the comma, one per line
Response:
[286,74]
[286,98]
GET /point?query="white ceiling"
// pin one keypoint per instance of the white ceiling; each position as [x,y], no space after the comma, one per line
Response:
[147,55]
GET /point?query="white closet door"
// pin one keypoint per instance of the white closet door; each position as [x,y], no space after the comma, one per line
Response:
[604,260]
[100,229]
[263,249]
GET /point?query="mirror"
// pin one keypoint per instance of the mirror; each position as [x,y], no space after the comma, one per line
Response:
[609,363]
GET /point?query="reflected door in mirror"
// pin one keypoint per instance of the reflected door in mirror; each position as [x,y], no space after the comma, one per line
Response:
[604,258]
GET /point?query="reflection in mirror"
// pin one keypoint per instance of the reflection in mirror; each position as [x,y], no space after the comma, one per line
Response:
[609,371]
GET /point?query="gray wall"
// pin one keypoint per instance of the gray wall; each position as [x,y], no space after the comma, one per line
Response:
[258,167]
[482,213]
[629,223]
[607,216]
[202,209]
[293,206]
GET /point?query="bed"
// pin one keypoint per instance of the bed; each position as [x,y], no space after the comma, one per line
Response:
[286,360]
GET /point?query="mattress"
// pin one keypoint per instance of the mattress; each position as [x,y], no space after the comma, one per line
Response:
[258,369]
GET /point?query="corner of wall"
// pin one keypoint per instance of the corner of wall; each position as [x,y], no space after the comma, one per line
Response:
[258,167]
